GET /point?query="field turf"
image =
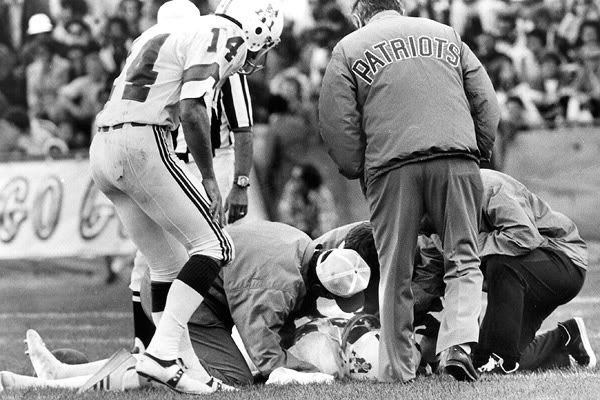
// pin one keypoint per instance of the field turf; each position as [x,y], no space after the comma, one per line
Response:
[78,310]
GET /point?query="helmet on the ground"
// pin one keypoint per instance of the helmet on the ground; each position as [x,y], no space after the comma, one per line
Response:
[318,343]
[262,22]
[360,344]
[176,10]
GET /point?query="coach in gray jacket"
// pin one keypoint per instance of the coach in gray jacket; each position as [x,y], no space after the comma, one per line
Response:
[406,106]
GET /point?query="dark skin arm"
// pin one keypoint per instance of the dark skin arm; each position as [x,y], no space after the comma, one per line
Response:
[236,204]
[196,128]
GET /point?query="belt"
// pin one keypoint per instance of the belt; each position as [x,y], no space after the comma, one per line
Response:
[119,126]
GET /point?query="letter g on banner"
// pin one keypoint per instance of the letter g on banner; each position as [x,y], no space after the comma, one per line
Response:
[95,213]
[13,210]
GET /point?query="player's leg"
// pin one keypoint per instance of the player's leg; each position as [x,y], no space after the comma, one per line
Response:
[546,351]
[396,206]
[143,327]
[48,367]
[172,197]
[12,381]
[220,355]
[452,193]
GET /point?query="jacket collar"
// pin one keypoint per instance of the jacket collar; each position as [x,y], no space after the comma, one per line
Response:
[383,15]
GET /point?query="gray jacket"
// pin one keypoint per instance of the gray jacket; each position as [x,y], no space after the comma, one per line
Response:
[405,89]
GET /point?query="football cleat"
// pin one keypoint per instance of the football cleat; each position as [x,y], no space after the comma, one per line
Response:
[578,343]
[171,374]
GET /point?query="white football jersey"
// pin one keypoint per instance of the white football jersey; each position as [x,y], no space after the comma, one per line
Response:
[169,63]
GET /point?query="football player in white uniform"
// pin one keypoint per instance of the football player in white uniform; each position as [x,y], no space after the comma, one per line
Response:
[230,113]
[169,71]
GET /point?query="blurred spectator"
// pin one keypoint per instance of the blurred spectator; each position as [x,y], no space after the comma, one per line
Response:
[14,18]
[289,140]
[582,10]
[45,76]
[115,44]
[12,80]
[71,11]
[492,59]
[20,137]
[307,203]
[131,12]
[78,33]
[78,103]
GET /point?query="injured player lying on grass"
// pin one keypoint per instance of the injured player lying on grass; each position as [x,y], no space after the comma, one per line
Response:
[276,278]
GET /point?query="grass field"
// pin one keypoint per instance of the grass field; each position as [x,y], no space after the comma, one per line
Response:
[79,311]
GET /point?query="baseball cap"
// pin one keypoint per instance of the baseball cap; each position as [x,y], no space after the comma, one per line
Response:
[39,23]
[345,275]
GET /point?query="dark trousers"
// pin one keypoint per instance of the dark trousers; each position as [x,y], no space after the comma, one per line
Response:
[522,292]
[449,191]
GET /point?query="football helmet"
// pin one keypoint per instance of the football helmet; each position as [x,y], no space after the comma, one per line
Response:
[262,22]
[360,344]
[318,342]
[176,10]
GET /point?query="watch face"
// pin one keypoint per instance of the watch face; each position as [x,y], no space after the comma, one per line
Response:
[242,181]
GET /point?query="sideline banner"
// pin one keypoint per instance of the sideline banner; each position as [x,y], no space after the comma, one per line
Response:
[52,209]
[562,166]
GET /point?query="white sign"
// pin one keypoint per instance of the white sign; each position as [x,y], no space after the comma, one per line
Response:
[52,209]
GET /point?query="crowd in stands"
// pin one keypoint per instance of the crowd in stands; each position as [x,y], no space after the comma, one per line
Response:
[58,59]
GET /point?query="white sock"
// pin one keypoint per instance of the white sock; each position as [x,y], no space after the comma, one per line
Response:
[188,355]
[14,381]
[182,302]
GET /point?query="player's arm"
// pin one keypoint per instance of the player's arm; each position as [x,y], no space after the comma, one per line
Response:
[237,107]
[201,74]
[260,327]
[482,101]
[340,117]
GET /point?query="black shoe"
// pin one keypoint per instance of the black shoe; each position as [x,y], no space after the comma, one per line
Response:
[458,364]
[578,344]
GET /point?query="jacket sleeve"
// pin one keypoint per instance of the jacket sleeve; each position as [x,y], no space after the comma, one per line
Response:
[512,231]
[260,328]
[340,117]
[482,101]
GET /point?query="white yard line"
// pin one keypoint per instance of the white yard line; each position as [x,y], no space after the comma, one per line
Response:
[57,315]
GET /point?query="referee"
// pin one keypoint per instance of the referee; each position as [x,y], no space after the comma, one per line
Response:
[406,106]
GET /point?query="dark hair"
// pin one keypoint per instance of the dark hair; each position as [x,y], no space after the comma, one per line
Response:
[77,7]
[539,34]
[311,176]
[18,117]
[552,56]
[515,99]
[361,239]
[365,9]
[588,24]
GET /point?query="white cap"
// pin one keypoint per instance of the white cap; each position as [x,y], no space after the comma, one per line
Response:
[176,10]
[39,23]
[343,273]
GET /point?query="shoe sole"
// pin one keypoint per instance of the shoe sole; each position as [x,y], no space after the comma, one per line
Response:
[459,372]
[586,342]
[153,379]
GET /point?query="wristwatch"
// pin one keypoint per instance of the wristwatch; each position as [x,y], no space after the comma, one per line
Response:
[242,181]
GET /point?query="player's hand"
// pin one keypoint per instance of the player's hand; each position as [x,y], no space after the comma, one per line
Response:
[216,210]
[236,204]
